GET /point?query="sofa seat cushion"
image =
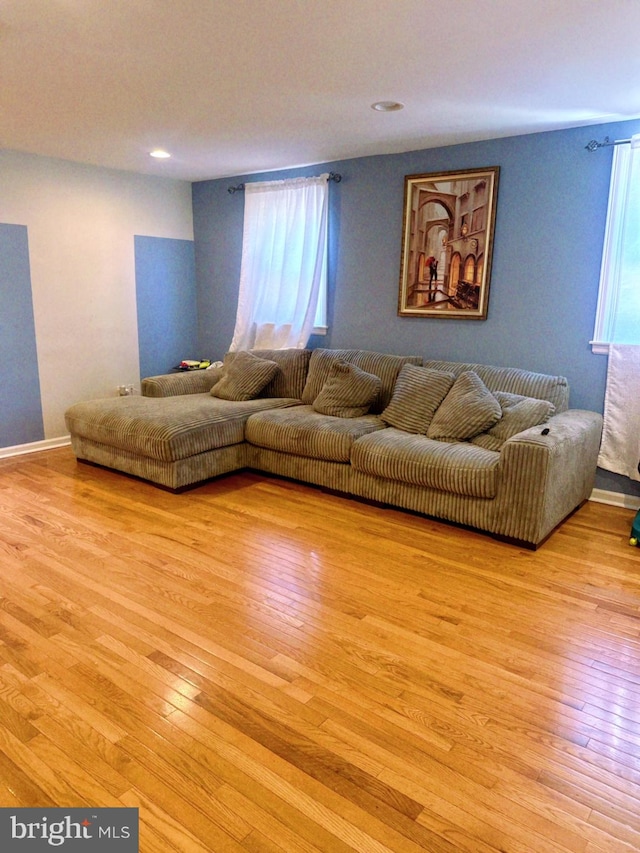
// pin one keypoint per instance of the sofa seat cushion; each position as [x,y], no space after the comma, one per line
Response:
[460,468]
[168,428]
[305,432]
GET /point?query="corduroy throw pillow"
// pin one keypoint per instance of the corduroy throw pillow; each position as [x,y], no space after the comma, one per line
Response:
[518,413]
[417,394]
[468,409]
[347,392]
[244,378]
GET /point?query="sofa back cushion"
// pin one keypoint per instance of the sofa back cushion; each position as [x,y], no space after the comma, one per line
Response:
[290,378]
[513,380]
[386,367]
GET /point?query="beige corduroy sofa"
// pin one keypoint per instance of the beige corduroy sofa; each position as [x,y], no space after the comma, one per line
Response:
[430,436]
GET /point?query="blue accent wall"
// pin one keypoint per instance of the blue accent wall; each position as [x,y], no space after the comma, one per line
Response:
[21,421]
[551,211]
[166,303]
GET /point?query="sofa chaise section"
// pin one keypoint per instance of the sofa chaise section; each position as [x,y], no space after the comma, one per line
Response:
[175,441]
[177,434]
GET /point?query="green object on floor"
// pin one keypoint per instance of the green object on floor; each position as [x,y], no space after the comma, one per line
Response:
[635,530]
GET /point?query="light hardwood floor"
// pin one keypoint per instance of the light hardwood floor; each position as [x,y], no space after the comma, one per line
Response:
[261,666]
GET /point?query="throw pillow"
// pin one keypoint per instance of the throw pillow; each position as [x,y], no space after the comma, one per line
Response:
[244,378]
[467,410]
[518,413]
[347,392]
[417,394]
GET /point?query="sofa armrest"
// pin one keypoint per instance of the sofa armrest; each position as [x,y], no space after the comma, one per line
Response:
[545,473]
[175,384]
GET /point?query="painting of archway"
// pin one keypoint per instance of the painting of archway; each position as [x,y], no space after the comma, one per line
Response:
[449,221]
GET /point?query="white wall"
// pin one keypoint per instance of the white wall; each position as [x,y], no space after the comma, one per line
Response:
[81,223]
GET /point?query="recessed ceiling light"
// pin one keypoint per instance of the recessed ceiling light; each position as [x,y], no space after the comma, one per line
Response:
[159,154]
[387,106]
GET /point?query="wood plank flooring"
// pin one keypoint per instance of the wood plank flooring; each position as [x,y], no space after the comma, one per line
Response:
[261,666]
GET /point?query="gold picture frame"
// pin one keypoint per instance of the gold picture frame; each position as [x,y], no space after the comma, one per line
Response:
[447,244]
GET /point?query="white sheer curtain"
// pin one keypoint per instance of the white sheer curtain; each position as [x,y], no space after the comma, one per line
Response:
[617,327]
[620,448]
[618,311]
[284,250]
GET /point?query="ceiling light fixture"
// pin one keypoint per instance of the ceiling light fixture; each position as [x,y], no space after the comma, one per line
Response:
[159,154]
[387,106]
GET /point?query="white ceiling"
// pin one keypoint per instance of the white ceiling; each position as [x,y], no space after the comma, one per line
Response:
[239,86]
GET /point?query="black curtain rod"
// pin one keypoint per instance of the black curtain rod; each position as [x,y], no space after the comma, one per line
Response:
[333,176]
[593,145]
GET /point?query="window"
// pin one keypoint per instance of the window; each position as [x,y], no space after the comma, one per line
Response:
[618,311]
[282,295]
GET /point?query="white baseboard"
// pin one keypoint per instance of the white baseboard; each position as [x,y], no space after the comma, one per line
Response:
[615,499]
[34,447]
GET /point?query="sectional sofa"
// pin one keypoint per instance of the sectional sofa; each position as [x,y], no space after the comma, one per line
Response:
[493,448]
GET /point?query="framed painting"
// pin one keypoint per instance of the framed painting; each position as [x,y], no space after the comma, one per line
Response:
[447,241]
